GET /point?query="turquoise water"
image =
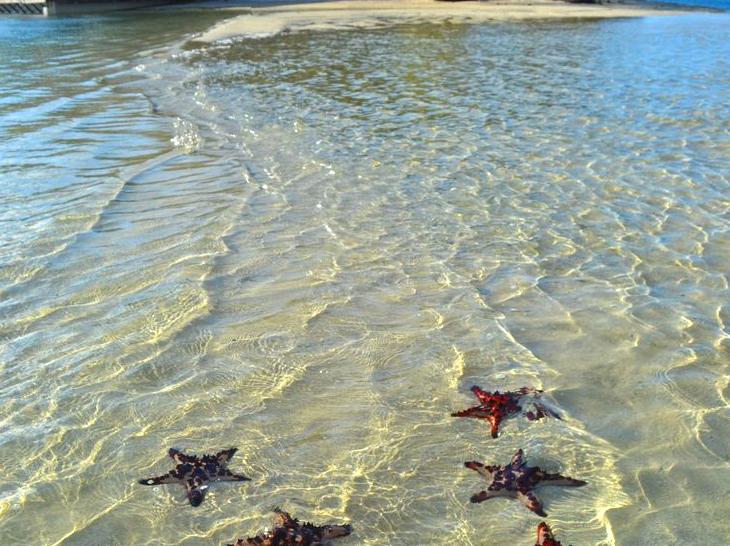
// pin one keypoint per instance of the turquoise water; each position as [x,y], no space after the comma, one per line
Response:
[310,246]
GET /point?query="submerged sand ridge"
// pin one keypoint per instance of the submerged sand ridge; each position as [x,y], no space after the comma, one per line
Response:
[271,20]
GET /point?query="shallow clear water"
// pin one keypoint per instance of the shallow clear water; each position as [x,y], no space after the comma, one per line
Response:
[310,246]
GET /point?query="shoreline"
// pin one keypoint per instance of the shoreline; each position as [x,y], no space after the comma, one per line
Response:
[262,19]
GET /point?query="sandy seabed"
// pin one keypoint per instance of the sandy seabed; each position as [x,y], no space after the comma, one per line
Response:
[271,20]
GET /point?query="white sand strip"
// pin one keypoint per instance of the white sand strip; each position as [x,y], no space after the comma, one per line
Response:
[270,20]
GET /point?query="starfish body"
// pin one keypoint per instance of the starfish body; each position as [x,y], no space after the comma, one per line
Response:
[195,473]
[289,532]
[545,536]
[496,406]
[517,480]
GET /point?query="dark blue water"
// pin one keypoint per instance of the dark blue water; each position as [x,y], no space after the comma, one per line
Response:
[715,4]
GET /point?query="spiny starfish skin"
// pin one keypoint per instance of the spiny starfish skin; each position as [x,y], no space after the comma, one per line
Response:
[195,473]
[517,480]
[289,532]
[496,406]
[545,536]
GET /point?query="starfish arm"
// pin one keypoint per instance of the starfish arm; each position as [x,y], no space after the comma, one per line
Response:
[485,470]
[179,457]
[330,532]
[547,410]
[159,480]
[528,390]
[482,395]
[529,499]
[225,455]
[540,412]
[482,496]
[477,412]
[518,458]
[195,492]
[474,465]
[494,421]
[283,519]
[226,475]
[546,478]
[534,415]
[544,535]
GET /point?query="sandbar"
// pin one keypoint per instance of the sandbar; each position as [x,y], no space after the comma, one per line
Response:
[268,20]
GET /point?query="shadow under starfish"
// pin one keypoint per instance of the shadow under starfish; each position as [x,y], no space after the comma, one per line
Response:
[545,536]
[495,406]
[289,532]
[517,480]
[195,473]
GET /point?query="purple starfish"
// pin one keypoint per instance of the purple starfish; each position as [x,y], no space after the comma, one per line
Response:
[517,480]
[496,406]
[194,473]
[289,532]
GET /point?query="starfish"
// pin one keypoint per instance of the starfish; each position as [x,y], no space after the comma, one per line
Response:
[289,532]
[194,473]
[545,536]
[517,480]
[495,406]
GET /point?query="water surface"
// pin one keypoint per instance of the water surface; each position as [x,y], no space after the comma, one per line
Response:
[311,245]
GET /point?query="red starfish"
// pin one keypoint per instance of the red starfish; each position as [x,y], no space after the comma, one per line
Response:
[545,536]
[495,406]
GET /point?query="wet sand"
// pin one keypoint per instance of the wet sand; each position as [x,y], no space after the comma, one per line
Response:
[274,19]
